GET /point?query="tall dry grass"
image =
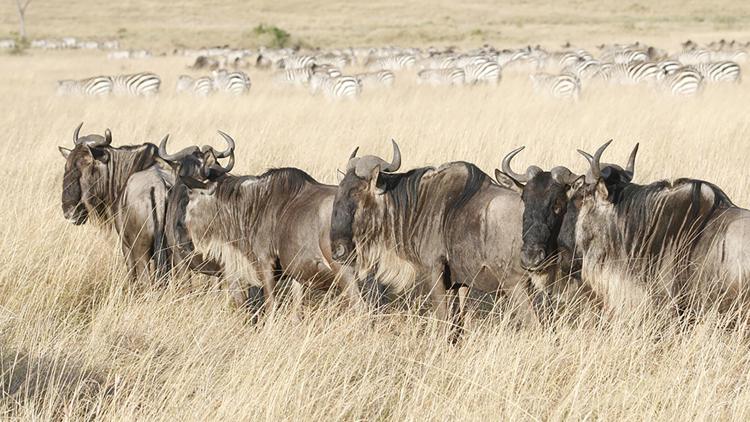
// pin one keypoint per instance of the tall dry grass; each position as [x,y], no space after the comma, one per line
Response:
[79,341]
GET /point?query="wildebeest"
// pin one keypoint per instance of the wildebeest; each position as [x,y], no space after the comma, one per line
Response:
[672,243]
[263,228]
[551,210]
[121,187]
[438,228]
[196,164]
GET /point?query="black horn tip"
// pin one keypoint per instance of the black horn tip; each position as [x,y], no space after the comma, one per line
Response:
[76,133]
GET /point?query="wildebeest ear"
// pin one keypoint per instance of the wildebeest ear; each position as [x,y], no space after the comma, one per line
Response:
[576,186]
[65,152]
[602,193]
[507,182]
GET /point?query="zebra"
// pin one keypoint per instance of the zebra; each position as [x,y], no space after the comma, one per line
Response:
[399,62]
[200,87]
[296,62]
[327,69]
[685,81]
[294,77]
[564,85]
[437,62]
[449,76]
[487,72]
[629,73]
[379,78]
[695,56]
[140,84]
[334,88]
[725,71]
[668,66]
[235,83]
[585,70]
[96,86]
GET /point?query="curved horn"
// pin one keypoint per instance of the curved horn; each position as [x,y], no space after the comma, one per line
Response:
[173,157]
[75,134]
[594,161]
[107,137]
[520,178]
[230,146]
[354,153]
[216,170]
[396,162]
[630,168]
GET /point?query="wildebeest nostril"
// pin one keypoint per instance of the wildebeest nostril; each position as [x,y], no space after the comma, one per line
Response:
[339,252]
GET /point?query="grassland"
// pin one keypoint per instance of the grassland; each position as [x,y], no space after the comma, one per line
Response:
[162,25]
[78,341]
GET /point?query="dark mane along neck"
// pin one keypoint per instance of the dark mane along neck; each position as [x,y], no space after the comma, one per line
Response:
[440,192]
[666,217]
[124,162]
[280,182]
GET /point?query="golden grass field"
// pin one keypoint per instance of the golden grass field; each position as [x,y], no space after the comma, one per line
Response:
[79,341]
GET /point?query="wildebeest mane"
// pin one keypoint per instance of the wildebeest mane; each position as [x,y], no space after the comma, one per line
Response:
[474,182]
[403,188]
[655,220]
[287,180]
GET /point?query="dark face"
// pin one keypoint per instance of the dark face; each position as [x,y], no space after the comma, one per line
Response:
[352,196]
[545,203]
[85,169]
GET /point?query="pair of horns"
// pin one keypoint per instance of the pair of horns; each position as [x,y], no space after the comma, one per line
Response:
[595,161]
[91,140]
[364,165]
[180,155]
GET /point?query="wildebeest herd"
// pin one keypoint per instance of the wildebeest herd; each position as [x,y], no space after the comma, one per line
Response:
[345,73]
[444,230]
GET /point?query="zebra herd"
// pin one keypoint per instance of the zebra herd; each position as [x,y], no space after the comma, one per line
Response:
[346,73]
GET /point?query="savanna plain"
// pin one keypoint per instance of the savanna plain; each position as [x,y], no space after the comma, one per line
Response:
[80,341]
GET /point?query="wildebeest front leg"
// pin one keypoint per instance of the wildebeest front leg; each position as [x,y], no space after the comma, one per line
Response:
[439,296]
[458,314]
[348,284]
[268,281]
[298,297]
[521,304]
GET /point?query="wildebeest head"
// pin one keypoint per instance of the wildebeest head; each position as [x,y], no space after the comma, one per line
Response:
[355,198]
[545,195]
[199,163]
[85,175]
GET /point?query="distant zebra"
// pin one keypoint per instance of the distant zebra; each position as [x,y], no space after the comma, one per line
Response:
[235,83]
[295,77]
[724,71]
[629,73]
[402,61]
[379,78]
[449,76]
[585,70]
[334,88]
[327,69]
[296,62]
[564,85]
[487,72]
[437,62]
[96,86]
[668,66]
[200,87]
[685,81]
[143,84]
[695,56]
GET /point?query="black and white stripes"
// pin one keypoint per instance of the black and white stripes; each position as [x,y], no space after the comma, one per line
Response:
[136,84]
[96,86]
